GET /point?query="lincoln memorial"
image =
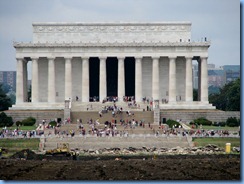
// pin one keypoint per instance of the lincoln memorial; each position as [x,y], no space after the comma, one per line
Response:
[92,61]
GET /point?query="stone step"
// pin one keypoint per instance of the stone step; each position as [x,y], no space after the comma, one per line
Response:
[146,116]
[98,106]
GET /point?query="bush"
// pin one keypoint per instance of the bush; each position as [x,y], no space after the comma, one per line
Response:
[233,122]
[172,122]
[30,121]
[52,123]
[18,123]
[5,120]
[222,124]
[203,121]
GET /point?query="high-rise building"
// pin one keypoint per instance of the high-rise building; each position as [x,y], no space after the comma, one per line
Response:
[216,76]
[232,72]
[9,78]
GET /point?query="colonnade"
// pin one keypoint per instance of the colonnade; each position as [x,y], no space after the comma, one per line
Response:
[21,93]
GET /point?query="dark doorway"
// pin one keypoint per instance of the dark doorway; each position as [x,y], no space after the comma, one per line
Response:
[94,78]
[112,76]
[129,76]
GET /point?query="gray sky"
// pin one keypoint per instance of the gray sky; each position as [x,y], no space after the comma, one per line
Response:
[218,20]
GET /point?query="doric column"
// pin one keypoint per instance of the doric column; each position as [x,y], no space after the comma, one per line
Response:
[155,78]
[51,80]
[204,80]
[121,79]
[138,80]
[102,80]
[25,82]
[19,82]
[172,80]
[85,80]
[35,81]
[188,81]
[68,79]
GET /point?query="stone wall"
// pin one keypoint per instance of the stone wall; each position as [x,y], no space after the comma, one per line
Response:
[19,115]
[189,115]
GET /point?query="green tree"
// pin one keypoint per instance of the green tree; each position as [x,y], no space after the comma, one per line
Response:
[5,120]
[12,98]
[213,89]
[228,99]
[5,101]
[5,87]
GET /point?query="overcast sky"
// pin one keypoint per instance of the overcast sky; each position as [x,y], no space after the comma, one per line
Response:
[218,20]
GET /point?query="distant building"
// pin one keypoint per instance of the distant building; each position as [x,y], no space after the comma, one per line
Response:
[9,78]
[232,72]
[216,76]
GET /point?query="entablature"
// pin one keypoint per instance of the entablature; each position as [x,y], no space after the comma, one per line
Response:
[112,44]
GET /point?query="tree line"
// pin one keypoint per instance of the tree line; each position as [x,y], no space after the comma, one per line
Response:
[228,98]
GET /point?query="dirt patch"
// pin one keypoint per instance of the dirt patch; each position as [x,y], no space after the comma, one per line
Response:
[162,167]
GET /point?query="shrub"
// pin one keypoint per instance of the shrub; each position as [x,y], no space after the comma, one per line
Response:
[232,122]
[203,121]
[5,120]
[172,122]
[52,123]
[18,123]
[30,121]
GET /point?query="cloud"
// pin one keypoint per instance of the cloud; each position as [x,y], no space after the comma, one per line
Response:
[218,20]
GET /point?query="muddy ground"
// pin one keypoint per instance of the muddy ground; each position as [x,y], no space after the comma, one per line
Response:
[163,167]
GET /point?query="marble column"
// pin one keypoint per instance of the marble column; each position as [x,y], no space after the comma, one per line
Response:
[155,78]
[199,80]
[85,80]
[102,80]
[35,81]
[19,82]
[51,81]
[121,79]
[138,80]
[68,79]
[204,80]
[25,82]
[172,80]
[188,81]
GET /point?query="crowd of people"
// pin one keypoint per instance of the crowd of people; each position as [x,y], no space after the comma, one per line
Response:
[8,132]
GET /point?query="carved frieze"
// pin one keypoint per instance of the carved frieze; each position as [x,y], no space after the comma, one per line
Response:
[108,28]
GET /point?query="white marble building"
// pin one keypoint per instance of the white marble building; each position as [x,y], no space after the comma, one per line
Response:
[160,52]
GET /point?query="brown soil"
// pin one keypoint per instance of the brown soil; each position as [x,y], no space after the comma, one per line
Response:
[163,167]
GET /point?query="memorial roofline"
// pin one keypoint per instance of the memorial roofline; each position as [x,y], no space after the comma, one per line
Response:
[110,23]
[114,44]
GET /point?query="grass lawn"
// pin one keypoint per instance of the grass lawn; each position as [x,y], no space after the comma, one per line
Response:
[21,127]
[219,141]
[220,128]
[14,145]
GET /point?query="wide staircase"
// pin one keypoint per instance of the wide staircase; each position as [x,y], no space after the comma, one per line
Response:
[138,137]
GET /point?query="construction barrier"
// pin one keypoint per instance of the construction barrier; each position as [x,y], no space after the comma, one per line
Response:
[227,147]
